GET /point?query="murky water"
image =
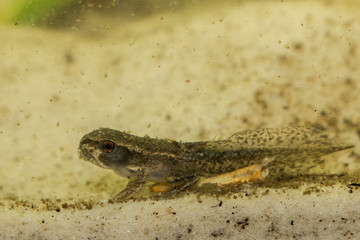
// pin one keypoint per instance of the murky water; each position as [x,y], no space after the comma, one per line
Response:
[188,71]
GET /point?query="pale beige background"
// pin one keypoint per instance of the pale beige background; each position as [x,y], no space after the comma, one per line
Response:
[195,74]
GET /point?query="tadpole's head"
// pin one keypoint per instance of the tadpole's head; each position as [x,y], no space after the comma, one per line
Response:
[100,147]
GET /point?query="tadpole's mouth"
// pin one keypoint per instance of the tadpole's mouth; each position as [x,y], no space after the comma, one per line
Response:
[85,154]
[89,153]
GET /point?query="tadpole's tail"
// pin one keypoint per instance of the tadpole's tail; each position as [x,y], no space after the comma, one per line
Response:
[288,138]
[292,148]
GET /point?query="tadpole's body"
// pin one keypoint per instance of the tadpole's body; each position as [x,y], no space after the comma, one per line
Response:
[144,159]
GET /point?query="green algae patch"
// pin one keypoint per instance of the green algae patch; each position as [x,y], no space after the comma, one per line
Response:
[31,12]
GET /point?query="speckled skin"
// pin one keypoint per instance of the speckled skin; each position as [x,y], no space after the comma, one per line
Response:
[144,158]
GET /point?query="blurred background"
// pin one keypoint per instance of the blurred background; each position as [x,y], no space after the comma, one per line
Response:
[72,13]
[186,70]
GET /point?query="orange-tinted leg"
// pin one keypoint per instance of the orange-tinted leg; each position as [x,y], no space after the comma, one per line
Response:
[248,174]
[251,173]
[161,188]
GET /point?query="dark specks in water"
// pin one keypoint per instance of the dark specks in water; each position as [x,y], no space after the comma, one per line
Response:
[51,205]
[217,233]
[242,223]
[355,184]
[69,57]
[298,46]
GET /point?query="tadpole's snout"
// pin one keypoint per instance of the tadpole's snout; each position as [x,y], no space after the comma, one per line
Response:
[83,147]
[88,150]
[80,154]
[84,150]
[84,140]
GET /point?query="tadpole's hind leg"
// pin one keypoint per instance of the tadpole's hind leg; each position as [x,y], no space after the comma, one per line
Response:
[187,182]
[179,180]
[248,174]
[184,179]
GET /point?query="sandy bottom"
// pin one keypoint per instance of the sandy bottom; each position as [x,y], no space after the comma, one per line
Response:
[190,75]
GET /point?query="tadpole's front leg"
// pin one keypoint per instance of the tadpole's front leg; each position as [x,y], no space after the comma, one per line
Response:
[132,187]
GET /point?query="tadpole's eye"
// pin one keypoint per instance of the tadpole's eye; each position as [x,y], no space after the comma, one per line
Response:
[108,146]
